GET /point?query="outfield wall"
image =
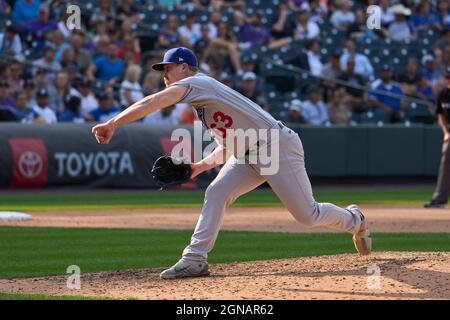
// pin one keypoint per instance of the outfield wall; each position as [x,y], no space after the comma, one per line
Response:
[371,151]
[39,156]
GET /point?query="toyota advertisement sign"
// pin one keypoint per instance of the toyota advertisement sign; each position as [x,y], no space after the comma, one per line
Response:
[39,156]
[30,162]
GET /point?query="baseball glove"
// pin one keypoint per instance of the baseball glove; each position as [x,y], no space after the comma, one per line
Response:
[166,172]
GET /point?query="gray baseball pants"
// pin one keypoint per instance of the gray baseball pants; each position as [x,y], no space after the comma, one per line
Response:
[442,192]
[291,184]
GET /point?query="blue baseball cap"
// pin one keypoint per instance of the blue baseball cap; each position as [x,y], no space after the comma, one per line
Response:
[103,95]
[177,56]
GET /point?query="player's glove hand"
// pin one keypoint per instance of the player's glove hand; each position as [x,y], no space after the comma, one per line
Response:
[166,172]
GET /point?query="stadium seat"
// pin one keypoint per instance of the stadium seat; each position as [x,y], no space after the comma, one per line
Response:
[419,113]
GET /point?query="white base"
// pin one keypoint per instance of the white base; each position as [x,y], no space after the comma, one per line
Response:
[14,216]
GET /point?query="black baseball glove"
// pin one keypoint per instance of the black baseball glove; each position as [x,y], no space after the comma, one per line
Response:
[166,172]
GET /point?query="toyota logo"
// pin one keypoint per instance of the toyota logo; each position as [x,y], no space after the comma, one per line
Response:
[30,164]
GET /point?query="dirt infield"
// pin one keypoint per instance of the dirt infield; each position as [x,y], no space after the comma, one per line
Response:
[381,219]
[403,276]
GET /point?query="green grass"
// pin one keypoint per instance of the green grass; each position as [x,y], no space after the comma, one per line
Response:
[30,252]
[10,296]
[166,199]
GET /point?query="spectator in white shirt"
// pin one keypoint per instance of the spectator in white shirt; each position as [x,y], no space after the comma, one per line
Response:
[363,67]
[313,53]
[314,110]
[318,10]
[306,29]
[10,43]
[166,116]
[401,29]
[64,90]
[130,89]
[343,17]
[48,62]
[215,19]
[43,113]
[88,101]
[190,31]
[387,16]
[62,24]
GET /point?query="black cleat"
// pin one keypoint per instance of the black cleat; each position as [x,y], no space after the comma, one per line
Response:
[433,204]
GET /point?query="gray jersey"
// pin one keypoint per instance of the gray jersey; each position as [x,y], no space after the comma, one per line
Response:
[220,107]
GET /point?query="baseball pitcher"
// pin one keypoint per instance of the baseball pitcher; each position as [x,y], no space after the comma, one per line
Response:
[222,110]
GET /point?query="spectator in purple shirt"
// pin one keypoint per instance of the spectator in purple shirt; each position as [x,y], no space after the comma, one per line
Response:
[5,6]
[253,34]
[40,28]
[168,35]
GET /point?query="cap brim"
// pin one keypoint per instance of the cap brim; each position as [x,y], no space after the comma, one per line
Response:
[160,66]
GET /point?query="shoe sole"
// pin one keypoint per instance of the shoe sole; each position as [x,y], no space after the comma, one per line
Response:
[363,244]
[171,277]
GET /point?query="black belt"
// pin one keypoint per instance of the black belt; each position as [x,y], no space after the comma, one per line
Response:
[280,125]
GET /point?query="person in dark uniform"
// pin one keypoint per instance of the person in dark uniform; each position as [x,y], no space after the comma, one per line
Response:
[441,195]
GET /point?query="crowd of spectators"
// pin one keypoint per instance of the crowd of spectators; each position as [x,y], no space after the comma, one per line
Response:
[51,74]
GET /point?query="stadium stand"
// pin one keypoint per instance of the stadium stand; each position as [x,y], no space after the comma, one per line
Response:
[137,32]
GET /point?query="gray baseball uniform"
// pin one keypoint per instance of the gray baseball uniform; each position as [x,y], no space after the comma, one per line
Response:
[220,108]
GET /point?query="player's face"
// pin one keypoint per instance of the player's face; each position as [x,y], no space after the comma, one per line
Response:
[173,73]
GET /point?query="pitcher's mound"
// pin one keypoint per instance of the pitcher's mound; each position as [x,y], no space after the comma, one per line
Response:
[390,275]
